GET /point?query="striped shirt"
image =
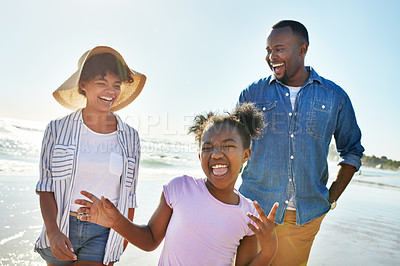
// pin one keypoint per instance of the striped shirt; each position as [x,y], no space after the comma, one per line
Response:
[58,170]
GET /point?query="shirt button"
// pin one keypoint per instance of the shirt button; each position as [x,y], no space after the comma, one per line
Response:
[291,157]
[323,106]
[290,114]
[287,94]
[291,135]
[286,201]
[264,108]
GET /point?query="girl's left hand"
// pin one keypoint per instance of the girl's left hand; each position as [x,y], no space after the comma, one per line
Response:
[98,211]
[265,230]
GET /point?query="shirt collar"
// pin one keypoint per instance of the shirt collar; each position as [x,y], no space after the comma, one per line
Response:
[313,77]
[121,126]
[77,115]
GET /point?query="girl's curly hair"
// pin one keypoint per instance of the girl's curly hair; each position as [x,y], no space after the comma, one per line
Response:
[247,118]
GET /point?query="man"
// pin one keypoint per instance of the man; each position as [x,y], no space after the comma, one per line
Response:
[289,163]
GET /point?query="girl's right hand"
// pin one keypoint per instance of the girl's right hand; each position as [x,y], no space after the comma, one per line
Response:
[101,212]
[61,247]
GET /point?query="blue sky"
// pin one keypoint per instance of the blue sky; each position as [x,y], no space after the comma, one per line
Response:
[199,55]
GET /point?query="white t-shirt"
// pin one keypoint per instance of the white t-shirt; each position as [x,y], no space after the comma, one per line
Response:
[202,229]
[99,166]
[293,94]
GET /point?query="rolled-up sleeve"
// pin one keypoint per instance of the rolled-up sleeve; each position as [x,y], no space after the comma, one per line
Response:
[45,182]
[348,135]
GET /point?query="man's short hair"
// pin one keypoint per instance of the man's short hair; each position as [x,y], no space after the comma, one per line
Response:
[298,29]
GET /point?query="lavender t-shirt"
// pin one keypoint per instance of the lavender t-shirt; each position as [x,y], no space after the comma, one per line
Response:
[202,229]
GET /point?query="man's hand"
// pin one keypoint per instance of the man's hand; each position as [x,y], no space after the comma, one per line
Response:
[101,212]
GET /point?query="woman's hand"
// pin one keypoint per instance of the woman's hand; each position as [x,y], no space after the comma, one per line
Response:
[265,229]
[61,247]
[101,212]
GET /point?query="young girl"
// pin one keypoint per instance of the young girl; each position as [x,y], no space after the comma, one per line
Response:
[203,220]
[89,149]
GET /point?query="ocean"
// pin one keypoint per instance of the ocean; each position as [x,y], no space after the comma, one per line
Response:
[362,230]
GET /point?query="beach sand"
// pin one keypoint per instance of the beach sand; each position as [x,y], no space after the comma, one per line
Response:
[20,220]
[362,230]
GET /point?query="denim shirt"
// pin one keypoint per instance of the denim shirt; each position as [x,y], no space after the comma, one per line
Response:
[295,144]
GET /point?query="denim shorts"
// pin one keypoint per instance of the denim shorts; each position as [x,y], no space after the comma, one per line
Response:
[88,239]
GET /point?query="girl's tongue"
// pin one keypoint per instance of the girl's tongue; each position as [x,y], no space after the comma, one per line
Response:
[220,171]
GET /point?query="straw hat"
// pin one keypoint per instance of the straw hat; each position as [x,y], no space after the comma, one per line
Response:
[68,96]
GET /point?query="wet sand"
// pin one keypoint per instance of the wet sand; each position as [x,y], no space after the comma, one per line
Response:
[362,230]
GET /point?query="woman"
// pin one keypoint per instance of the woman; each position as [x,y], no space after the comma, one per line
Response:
[89,149]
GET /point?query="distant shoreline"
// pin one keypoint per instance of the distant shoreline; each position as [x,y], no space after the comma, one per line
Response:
[372,161]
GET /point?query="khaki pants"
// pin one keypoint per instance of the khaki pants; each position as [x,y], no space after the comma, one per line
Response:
[294,242]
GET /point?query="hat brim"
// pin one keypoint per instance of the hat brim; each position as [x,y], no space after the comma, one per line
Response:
[68,96]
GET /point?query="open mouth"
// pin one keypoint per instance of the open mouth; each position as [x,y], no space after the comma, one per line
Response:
[106,99]
[219,169]
[278,68]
